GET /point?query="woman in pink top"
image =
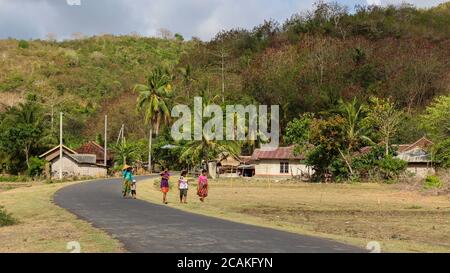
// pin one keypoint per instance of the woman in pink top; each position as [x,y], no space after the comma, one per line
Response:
[202,188]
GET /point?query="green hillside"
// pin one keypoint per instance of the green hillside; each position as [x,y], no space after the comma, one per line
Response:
[306,64]
[80,76]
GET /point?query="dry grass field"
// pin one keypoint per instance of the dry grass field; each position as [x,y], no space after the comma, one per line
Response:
[401,220]
[45,227]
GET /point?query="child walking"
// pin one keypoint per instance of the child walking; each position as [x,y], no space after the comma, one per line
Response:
[165,187]
[133,189]
[183,185]
[202,188]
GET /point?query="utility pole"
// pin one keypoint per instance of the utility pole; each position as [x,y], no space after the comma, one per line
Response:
[150,149]
[60,146]
[223,76]
[106,142]
[121,137]
[53,112]
[222,55]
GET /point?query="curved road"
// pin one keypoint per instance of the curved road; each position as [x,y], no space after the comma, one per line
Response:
[144,227]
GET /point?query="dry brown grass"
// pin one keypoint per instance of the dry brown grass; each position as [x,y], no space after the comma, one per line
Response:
[403,221]
[45,227]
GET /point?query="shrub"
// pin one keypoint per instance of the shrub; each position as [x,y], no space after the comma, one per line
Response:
[6,219]
[23,44]
[36,167]
[442,154]
[391,167]
[433,182]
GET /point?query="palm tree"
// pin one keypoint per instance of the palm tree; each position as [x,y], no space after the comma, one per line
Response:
[355,132]
[197,151]
[153,100]
[206,149]
[186,73]
[125,152]
[31,119]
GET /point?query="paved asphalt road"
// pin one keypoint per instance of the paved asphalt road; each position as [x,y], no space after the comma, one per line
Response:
[149,228]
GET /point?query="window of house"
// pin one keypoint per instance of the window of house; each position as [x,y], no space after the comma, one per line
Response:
[284,167]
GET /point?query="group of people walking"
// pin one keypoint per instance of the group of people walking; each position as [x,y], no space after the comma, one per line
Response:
[129,185]
[183,186]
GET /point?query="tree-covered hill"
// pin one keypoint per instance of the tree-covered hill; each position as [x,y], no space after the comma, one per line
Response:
[306,64]
[314,59]
[80,76]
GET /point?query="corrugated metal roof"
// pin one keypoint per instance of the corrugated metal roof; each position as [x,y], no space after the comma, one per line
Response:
[412,153]
[286,153]
[91,159]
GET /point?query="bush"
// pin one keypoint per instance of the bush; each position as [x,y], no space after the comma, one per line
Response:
[433,182]
[442,154]
[36,167]
[23,44]
[391,167]
[6,219]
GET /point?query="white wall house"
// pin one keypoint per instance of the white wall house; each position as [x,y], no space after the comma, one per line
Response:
[418,157]
[73,164]
[282,163]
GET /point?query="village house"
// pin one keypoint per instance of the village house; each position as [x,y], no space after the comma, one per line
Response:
[281,163]
[73,164]
[93,148]
[418,156]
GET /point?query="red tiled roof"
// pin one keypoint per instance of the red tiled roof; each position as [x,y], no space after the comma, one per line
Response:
[286,153]
[93,148]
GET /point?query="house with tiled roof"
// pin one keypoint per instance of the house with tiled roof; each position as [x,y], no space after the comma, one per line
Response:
[94,148]
[72,163]
[281,162]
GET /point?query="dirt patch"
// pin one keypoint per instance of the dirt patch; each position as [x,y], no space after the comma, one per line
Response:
[432,227]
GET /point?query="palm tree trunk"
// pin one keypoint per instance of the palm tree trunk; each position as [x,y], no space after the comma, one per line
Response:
[150,149]
[387,145]
[346,162]
[27,152]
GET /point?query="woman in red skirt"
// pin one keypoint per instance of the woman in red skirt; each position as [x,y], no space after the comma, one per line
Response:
[202,188]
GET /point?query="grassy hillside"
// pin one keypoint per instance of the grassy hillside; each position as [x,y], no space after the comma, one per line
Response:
[80,76]
[305,64]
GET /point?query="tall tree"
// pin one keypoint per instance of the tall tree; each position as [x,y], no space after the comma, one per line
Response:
[436,120]
[207,148]
[186,73]
[22,129]
[383,118]
[355,132]
[153,100]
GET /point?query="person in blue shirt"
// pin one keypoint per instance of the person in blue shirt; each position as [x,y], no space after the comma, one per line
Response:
[128,178]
